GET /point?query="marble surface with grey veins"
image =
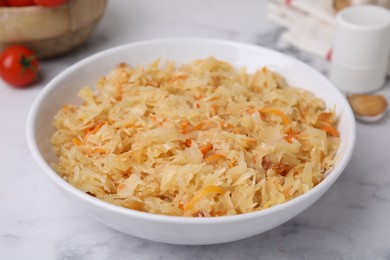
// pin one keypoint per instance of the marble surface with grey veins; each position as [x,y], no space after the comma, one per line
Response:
[351,221]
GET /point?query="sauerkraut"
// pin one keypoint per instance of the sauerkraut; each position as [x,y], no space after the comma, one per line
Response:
[201,139]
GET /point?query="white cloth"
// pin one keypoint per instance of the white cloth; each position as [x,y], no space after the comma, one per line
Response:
[310,24]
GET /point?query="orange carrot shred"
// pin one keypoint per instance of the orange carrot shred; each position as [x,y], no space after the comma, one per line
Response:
[76,141]
[188,142]
[198,126]
[215,108]
[329,129]
[277,112]
[99,150]
[119,92]
[236,131]
[219,213]
[214,157]
[201,193]
[231,164]
[251,140]
[205,148]
[154,118]
[326,117]
[290,135]
[184,127]
[94,129]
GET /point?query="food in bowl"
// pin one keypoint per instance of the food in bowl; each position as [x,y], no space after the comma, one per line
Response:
[201,139]
[47,30]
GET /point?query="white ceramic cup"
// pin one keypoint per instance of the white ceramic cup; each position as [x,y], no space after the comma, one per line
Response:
[361,48]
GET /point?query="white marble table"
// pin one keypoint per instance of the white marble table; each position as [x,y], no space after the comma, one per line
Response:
[352,221]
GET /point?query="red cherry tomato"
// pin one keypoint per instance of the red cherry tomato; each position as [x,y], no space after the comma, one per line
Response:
[20,2]
[50,3]
[18,66]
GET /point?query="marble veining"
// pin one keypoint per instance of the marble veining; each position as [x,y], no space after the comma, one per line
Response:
[351,221]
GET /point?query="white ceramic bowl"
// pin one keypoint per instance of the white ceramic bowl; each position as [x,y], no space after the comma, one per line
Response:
[180,230]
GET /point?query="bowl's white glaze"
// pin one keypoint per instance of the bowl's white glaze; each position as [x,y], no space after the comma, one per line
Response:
[178,230]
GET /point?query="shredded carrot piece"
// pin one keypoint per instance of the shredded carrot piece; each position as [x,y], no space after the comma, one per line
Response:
[324,122]
[197,105]
[326,117]
[214,157]
[201,193]
[219,213]
[276,112]
[223,124]
[291,135]
[198,126]
[95,128]
[76,141]
[236,131]
[99,150]
[205,148]
[329,129]
[251,140]
[156,121]
[184,127]
[188,142]
[182,76]
[119,92]
[215,108]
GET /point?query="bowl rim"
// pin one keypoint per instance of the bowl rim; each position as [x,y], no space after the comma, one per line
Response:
[59,181]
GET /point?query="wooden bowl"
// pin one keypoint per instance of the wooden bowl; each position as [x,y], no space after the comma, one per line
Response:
[338,5]
[50,31]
